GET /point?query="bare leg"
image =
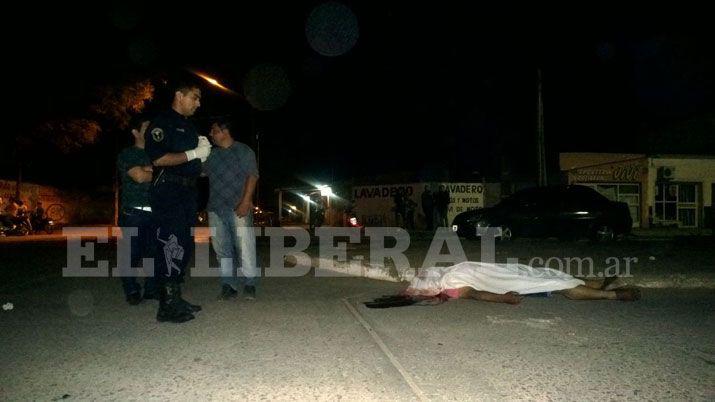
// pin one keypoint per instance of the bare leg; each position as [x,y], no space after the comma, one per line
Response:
[469,293]
[586,293]
[594,283]
[610,283]
[613,282]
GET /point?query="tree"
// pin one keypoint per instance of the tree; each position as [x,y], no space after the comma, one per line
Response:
[67,135]
[108,113]
[116,105]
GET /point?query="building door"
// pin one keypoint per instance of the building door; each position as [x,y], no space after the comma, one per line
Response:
[631,195]
[676,204]
[687,205]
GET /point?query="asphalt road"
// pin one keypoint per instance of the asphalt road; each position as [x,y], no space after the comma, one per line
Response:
[309,338]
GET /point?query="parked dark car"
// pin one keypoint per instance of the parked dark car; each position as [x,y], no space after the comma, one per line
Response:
[566,212]
[261,218]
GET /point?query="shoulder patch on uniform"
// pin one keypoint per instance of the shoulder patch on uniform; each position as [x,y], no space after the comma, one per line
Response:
[157,134]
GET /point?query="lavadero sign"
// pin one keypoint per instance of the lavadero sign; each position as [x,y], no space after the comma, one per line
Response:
[375,205]
[383,191]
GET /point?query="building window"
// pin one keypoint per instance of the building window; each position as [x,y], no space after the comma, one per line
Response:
[676,203]
[631,195]
[628,193]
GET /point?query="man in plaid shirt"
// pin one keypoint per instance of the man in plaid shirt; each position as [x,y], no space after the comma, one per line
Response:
[233,175]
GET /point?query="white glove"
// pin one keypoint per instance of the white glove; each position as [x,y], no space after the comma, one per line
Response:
[198,152]
[204,142]
[207,154]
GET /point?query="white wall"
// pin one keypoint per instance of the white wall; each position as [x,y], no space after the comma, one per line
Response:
[686,170]
[374,204]
[30,193]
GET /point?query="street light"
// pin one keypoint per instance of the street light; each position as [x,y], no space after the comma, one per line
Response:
[325,191]
[212,81]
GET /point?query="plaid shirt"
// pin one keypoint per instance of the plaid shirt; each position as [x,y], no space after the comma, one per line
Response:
[228,169]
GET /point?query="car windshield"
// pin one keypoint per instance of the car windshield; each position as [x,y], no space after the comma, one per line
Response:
[544,195]
[584,196]
[522,197]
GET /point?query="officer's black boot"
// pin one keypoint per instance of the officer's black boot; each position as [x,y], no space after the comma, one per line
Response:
[170,308]
[186,306]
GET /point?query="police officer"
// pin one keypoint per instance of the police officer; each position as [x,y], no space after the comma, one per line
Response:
[176,151]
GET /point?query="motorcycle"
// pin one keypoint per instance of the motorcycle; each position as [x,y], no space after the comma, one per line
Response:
[15,227]
[43,224]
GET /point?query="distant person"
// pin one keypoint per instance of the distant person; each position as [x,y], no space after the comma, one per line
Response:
[39,210]
[21,208]
[442,200]
[317,211]
[10,212]
[428,207]
[409,213]
[399,207]
[349,213]
[11,208]
[38,216]
[22,215]
[4,218]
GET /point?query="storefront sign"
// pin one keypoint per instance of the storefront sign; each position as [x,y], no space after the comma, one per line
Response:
[376,207]
[618,173]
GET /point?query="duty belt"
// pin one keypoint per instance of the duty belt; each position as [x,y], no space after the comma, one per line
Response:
[184,181]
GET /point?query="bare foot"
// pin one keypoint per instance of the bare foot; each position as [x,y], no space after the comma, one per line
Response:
[612,283]
[511,298]
[631,294]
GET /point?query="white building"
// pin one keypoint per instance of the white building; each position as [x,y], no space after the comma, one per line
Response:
[661,190]
[375,206]
[681,188]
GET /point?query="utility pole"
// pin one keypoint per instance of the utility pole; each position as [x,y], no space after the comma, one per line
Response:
[540,146]
[257,135]
[258,164]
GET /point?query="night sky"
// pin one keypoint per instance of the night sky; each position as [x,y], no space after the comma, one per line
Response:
[397,92]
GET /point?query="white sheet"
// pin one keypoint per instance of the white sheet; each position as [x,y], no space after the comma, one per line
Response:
[494,278]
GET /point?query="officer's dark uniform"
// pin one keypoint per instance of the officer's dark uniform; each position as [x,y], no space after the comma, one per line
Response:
[173,198]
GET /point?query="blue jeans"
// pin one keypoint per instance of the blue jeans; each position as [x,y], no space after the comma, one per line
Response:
[142,246]
[234,241]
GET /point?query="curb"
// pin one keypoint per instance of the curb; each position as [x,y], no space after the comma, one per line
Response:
[357,268]
[354,268]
